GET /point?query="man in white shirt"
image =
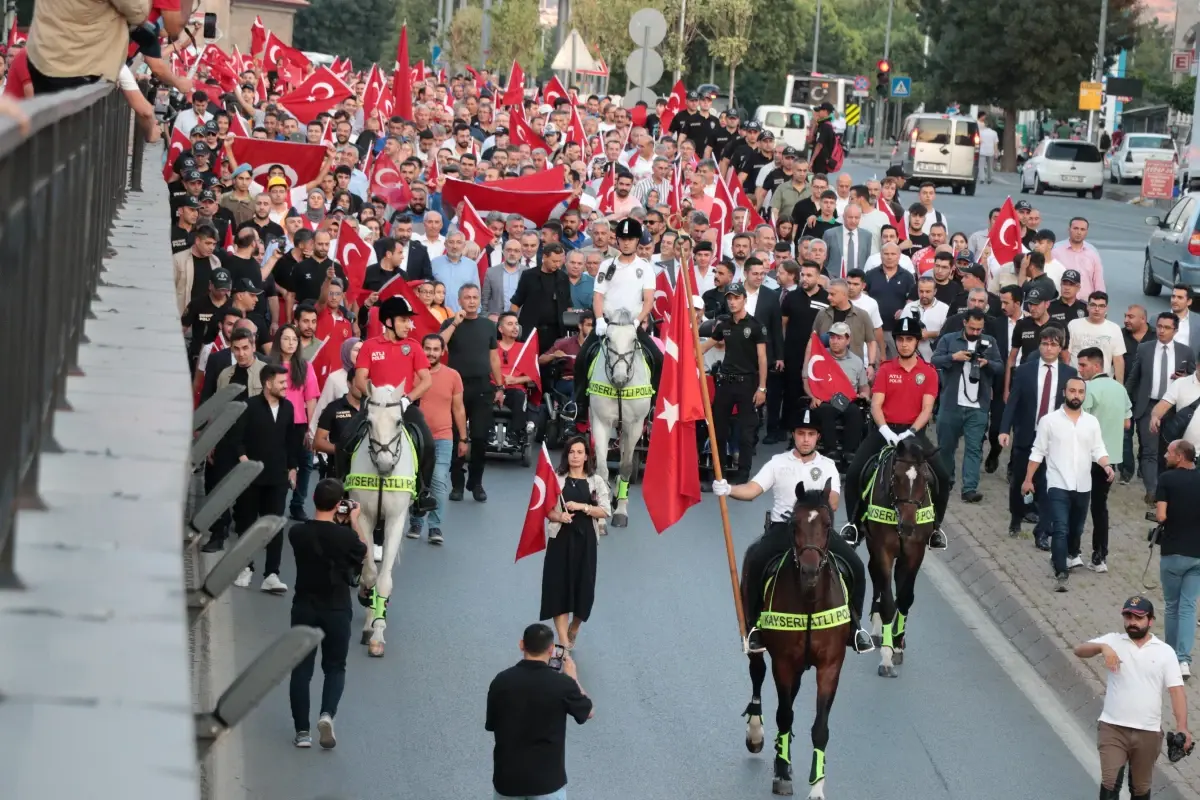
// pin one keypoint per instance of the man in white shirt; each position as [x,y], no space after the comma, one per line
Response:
[989,141]
[873,219]
[856,282]
[1181,302]
[1068,440]
[842,189]
[1095,330]
[435,243]
[1140,666]
[1180,394]
[198,114]
[926,195]
[889,235]
[1043,243]
[931,311]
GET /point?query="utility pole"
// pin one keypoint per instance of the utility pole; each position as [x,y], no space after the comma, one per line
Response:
[816,38]
[1098,73]
[881,102]
[682,19]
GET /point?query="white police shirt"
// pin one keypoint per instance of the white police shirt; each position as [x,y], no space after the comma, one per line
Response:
[624,289]
[784,471]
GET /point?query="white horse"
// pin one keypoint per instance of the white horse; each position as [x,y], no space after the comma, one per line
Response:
[621,398]
[382,480]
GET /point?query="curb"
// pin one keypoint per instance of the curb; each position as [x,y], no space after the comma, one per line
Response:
[1036,639]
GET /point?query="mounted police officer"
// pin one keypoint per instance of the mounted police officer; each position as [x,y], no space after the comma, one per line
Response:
[901,405]
[625,281]
[801,465]
[394,360]
[742,379]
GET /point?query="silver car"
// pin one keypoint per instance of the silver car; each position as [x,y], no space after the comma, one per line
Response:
[1127,162]
[1173,252]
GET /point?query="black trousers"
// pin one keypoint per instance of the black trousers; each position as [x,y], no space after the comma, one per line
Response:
[45,84]
[517,402]
[1016,500]
[261,501]
[775,395]
[996,413]
[335,623]
[213,473]
[477,400]
[736,391]
[778,539]
[1099,502]
[852,426]
[872,445]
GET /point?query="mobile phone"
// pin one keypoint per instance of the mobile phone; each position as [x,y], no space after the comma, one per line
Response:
[210,26]
[556,659]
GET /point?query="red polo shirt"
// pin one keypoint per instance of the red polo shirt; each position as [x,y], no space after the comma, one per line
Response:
[18,75]
[391,363]
[903,390]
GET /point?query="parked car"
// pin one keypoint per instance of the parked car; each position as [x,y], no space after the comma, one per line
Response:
[1064,165]
[1127,161]
[788,124]
[1173,252]
[940,148]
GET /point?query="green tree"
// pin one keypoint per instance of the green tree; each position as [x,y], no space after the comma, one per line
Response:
[325,26]
[516,36]
[1014,53]
[421,18]
[726,25]
[464,38]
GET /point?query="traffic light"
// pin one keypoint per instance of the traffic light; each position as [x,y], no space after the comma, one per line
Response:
[882,74]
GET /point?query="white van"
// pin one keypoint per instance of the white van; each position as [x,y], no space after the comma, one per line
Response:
[942,149]
[790,124]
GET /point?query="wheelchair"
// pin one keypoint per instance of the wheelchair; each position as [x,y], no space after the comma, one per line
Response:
[508,444]
[836,450]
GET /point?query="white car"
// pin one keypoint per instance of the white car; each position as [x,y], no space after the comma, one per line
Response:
[1126,162]
[1064,165]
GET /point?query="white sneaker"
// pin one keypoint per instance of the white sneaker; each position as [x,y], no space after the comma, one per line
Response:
[1100,567]
[243,578]
[1185,669]
[1074,562]
[377,553]
[325,732]
[273,585]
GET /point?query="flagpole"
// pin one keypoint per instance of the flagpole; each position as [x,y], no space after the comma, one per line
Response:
[716,459]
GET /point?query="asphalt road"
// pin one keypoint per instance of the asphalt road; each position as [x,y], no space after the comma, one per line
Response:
[661,657]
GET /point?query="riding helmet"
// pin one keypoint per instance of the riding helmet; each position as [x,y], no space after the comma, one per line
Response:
[907,326]
[629,228]
[806,420]
[393,307]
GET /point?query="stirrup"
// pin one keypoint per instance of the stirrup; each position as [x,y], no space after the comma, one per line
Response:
[861,636]
[569,411]
[941,543]
[849,532]
[746,649]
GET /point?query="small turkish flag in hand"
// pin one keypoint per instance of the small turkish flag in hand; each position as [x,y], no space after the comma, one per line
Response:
[545,496]
[1005,234]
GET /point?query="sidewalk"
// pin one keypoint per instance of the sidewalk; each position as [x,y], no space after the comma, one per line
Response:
[1012,580]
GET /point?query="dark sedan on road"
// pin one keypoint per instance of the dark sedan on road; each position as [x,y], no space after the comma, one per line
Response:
[1173,252]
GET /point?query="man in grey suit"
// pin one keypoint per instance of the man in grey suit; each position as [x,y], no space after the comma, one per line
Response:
[849,245]
[1158,363]
[500,281]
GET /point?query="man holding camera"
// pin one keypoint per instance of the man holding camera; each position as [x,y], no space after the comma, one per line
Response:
[1140,666]
[527,709]
[1179,540]
[329,556]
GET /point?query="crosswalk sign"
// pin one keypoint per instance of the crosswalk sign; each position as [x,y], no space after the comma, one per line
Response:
[901,86]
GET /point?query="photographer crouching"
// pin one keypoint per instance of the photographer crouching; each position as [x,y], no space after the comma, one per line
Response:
[1179,539]
[329,556]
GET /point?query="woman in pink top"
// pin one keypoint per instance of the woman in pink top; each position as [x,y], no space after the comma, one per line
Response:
[303,393]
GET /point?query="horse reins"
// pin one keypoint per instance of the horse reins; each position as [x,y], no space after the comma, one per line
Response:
[825,563]
[375,448]
[613,359]
[896,501]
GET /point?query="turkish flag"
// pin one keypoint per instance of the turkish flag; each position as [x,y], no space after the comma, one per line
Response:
[547,180]
[575,132]
[534,206]
[675,104]
[525,365]
[352,253]
[276,53]
[316,94]
[675,192]
[742,200]
[327,133]
[477,231]
[424,322]
[228,243]
[237,125]
[385,177]
[883,206]
[402,79]
[301,162]
[545,496]
[374,88]
[552,91]
[328,357]
[1005,234]
[523,133]
[663,295]
[825,377]
[672,480]
[923,260]
[514,90]
[260,89]
[179,144]
[606,192]
[15,37]
[722,211]
[258,38]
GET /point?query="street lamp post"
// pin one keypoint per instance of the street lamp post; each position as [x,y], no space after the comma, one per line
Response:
[881,102]
[816,38]
[1098,73]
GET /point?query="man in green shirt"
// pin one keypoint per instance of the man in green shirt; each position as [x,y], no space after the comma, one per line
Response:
[1109,403]
[786,195]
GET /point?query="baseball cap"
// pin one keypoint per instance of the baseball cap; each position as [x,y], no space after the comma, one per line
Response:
[974,270]
[208,194]
[192,176]
[753,125]
[1138,606]
[1034,295]
[201,149]
[732,113]
[826,106]
[276,181]
[766,136]
[839,329]
[1071,276]
[501,130]
[790,152]
[190,202]
[1023,205]
[221,279]
[246,285]
[693,95]
[737,288]
[963,255]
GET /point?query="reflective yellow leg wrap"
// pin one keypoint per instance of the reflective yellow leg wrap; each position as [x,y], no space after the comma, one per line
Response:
[899,624]
[622,489]
[783,746]
[817,772]
[379,605]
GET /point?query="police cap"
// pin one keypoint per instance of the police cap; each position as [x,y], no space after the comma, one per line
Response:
[394,307]
[907,326]
[737,288]
[629,228]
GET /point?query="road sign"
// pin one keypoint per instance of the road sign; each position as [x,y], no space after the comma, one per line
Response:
[648,27]
[860,83]
[901,86]
[1181,61]
[853,113]
[644,67]
[1158,179]
[1091,96]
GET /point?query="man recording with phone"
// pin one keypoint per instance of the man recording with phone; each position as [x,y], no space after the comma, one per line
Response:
[329,556]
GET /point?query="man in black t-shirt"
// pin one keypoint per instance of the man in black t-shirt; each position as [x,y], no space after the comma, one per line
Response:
[201,316]
[1027,333]
[689,120]
[328,554]
[1068,307]
[310,274]
[1177,509]
[186,218]
[823,140]
[261,221]
[192,183]
[723,136]
[799,310]
[746,158]
[334,426]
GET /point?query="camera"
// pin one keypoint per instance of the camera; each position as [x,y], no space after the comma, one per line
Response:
[980,352]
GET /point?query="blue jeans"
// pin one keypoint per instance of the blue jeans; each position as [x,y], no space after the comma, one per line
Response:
[303,472]
[953,422]
[561,794]
[443,449]
[1180,576]
[1068,512]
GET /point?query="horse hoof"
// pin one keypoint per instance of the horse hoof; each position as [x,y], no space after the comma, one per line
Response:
[898,657]
[366,637]
[620,521]
[781,786]
[886,671]
[753,746]
[375,649]
[754,735]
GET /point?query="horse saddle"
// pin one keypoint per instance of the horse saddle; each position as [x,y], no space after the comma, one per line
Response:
[773,566]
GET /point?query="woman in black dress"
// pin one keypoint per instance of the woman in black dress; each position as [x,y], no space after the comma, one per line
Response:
[569,569]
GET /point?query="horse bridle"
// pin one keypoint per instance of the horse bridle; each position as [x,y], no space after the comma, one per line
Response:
[392,446]
[613,359]
[912,499]
[823,553]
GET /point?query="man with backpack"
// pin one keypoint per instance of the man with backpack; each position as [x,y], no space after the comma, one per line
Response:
[827,152]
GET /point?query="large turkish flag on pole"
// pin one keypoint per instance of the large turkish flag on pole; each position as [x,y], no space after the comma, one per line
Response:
[316,94]
[544,496]
[402,79]
[672,479]
[1005,234]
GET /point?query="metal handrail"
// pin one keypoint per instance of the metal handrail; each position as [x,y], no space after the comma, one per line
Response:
[63,183]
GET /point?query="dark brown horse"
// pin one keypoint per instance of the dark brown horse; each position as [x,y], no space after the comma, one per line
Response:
[899,524]
[804,626]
